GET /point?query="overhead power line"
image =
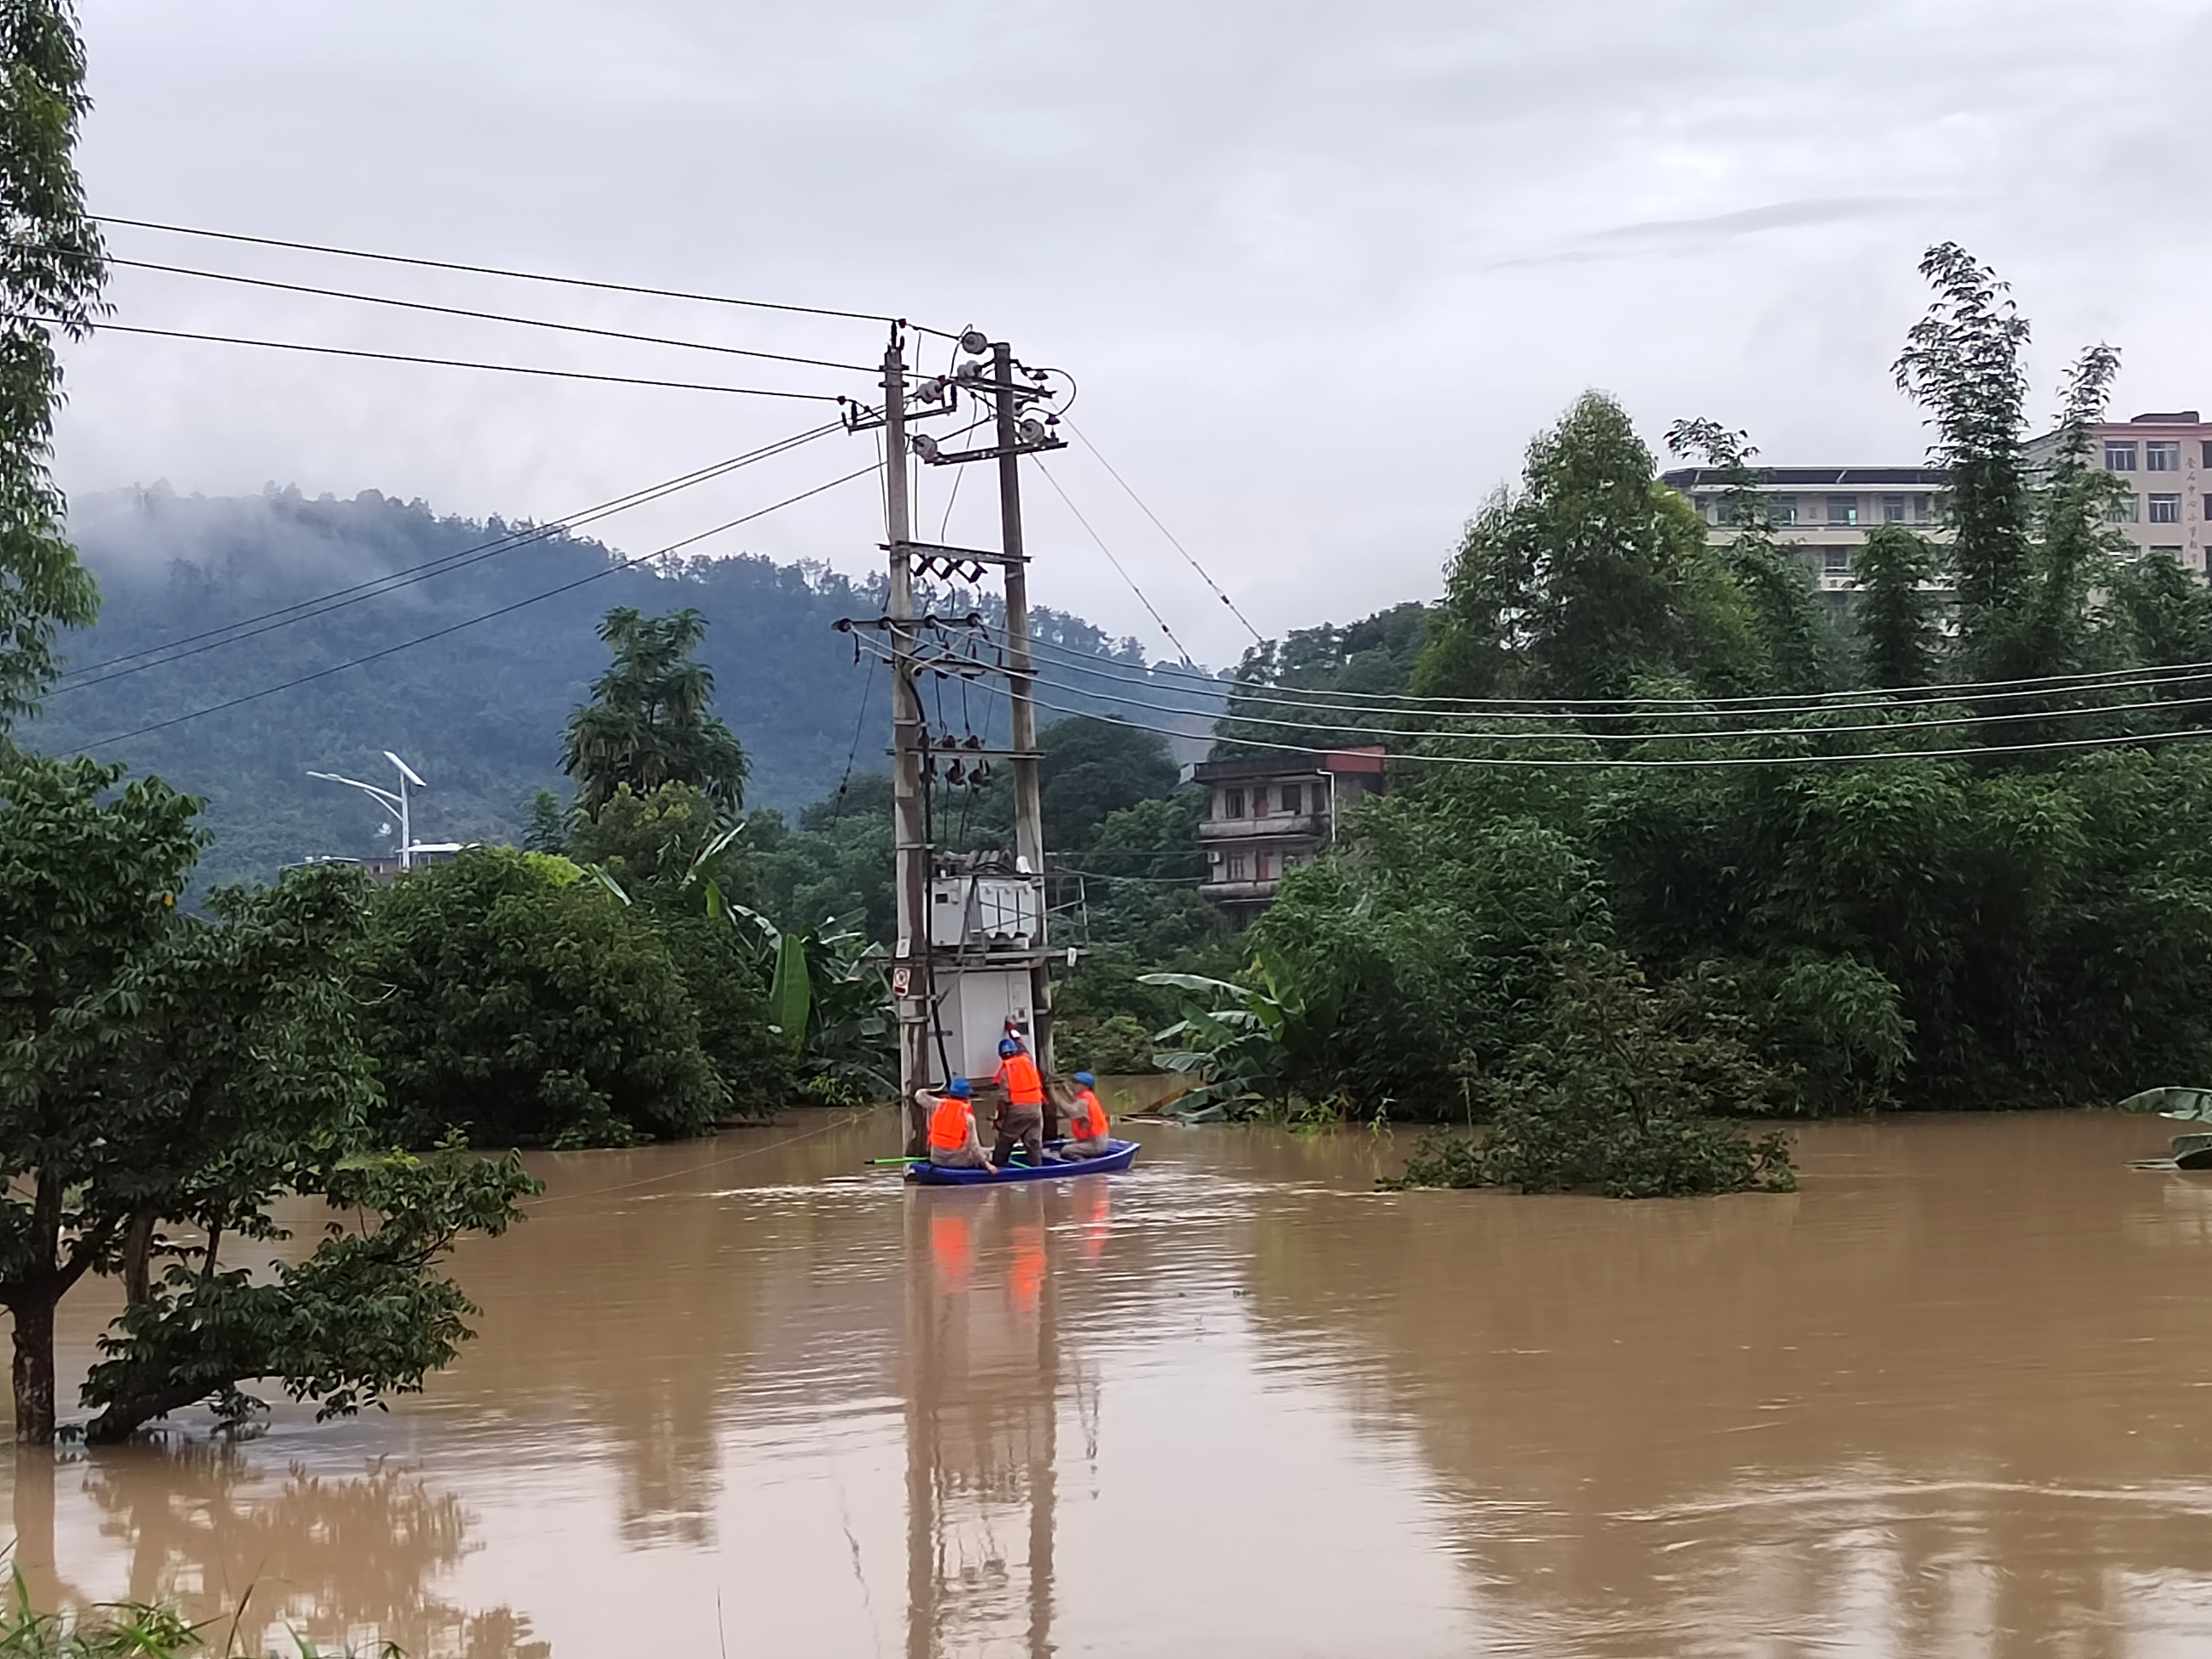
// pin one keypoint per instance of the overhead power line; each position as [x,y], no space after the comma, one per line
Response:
[490,316]
[471,621]
[1493,735]
[1046,473]
[1922,706]
[2148,675]
[246,628]
[1178,546]
[517,276]
[1962,752]
[460,362]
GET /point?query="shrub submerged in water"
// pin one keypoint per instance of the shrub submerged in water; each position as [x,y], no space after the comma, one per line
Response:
[1617,1096]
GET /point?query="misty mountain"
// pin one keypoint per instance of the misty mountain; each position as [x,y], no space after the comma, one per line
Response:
[219,589]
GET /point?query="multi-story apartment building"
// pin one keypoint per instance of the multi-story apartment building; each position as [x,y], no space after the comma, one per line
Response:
[2164,462]
[1267,815]
[1826,510]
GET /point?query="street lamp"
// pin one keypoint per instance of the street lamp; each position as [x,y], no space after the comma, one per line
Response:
[397,802]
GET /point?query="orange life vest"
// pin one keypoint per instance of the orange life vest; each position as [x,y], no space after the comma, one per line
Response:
[1090,1121]
[1024,1085]
[949,1124]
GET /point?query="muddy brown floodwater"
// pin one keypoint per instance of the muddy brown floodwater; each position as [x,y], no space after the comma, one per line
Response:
[1953,1398]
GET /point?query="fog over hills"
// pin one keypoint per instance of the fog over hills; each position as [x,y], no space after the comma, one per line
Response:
[478,711]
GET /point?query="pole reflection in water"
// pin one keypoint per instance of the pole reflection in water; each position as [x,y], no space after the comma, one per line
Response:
[982,1384]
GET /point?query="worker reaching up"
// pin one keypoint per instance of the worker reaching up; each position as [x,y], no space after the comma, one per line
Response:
[1086,1127]
[1021,1117]
[953,1144]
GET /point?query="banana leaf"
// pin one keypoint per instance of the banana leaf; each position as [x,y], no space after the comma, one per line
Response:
[2192,1105]
[791,993]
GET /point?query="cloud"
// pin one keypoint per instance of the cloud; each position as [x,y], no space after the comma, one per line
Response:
[1320,270]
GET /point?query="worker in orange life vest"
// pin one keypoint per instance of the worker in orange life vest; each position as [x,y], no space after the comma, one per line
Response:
[952,1140]
[1086,1127]
[1021,1117]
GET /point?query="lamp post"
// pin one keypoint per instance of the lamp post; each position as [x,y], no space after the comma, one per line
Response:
[397,803]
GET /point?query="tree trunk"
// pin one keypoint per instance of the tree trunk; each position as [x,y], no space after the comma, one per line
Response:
[34,1370]
[138,1258]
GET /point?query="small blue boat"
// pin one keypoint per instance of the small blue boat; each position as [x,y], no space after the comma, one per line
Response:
[1122,1153]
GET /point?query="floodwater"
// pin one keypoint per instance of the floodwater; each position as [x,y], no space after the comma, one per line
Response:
[741,1397]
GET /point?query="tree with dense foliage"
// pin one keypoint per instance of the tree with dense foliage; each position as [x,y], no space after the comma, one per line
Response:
[1894,614]
[649,722]
[160,1070]
[51,266]
[1592,577]
[1856,907]
[515,999]
[1617,1095]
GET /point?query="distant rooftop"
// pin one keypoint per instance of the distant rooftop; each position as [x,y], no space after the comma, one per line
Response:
[1811,477]
[2169,417]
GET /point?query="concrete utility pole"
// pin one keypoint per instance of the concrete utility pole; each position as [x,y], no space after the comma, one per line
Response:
[1021,675]
[910,849]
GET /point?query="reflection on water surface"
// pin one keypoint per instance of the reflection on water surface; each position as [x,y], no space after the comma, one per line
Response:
[742,1396]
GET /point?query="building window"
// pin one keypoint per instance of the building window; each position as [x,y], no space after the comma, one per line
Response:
[2162,456]
[1920,509]
[2128,509]
[1293,799]
[1843,509]
[1232,803]
[1259,866]
[1239,867]
[1260,802]
[1782,509]
[2173,553]
[2119,456]
[1892,509]
[2166,509]
[1835,560]
[2208,451]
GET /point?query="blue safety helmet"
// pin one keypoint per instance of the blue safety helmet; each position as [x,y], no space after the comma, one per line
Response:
[1007,1047]
[960,1086]
[1086,1080]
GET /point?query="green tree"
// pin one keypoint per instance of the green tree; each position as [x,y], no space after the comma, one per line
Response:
[1092,768]
[1616,1095]
[545,827]
[1961,363]
[1593,577]
[515,999]
[159,1069]
[1797,638]
[1894,612]
[649,722]
[51,266]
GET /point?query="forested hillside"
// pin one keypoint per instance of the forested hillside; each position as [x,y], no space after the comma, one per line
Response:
[194,581]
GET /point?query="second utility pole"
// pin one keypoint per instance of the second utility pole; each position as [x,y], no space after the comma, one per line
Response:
[1021,676]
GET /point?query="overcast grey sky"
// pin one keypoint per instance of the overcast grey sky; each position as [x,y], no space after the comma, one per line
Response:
[1320,269]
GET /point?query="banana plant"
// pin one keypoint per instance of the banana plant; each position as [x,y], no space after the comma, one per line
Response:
[1246,1044]
[827,995]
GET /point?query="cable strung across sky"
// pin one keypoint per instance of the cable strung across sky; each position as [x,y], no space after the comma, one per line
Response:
[1964,752]
[463,362]
[517,276]
[490,316]
[1239,710]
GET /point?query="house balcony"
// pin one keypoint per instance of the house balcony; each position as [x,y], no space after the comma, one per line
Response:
[1308,824]
[1238,892]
